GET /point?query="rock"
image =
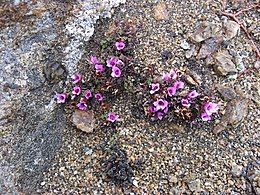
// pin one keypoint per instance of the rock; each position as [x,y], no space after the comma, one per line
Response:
[257,65]
[194,185]
[160,11]
[226,92]
[205,31]
[190,80]
[230,29]
[84,120]
[209,47]
[236,110]
[173,179]
[37,48]
[223,63]
[185,45]
[191,52]
[236,170]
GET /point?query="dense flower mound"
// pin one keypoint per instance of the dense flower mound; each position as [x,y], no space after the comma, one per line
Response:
[170,96]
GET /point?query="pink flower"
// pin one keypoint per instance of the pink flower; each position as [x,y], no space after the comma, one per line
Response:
[76,78]
[172,74]
[152,109]
[98,96]
[160,115]
[82,106]
[88,94]
[112,117]
[116,72]
[76,90]
[211,108]
[94,60]
[165,110]
[61,98]
[111,62]
[160,104]
[185,103]
[171,91]
[120,45]
[205,117]
[193,94]
[119,62]
[166,76]
[99,68]
[155,87]
[178,85]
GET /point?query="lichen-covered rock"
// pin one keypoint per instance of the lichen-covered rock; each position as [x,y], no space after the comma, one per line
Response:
[40,43]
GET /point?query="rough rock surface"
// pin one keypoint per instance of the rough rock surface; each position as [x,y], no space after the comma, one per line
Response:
[40,43]
[84,121]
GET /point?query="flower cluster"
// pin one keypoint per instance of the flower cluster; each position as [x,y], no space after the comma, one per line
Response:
[107,79]
[170,96]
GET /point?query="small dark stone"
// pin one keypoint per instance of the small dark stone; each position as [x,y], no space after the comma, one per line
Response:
[54,72]
[167,55]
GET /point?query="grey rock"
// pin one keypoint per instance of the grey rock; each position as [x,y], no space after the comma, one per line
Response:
[223,63]
[205,31]
[236,170]
[230,29]
[194,185]
[227,93]
[84,120]
[209,47]
[34,53]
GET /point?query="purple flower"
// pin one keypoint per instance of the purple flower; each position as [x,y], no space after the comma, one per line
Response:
[185,103]
[76,90]
[152,109]
[82,106]
[178,85]
[120,45]
[155,87]
[76,78]
[116,72]
[111,62]
[172,74]
[160,115]
[160,104]
[171,91]
[193,94]
[98,96]
[211,108]
[61,98]
[205,117]
[165,110]
[119,62]
[112,117]
[88,94]
[94,60]
[166,76]
[99,68]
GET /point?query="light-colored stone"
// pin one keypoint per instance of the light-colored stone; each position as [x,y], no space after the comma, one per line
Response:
[84,120]
[160,11]
[230,29]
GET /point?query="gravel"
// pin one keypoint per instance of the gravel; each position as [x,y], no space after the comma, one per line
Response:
[173,160]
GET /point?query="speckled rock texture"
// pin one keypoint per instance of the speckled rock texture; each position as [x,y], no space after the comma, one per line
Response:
[41,43]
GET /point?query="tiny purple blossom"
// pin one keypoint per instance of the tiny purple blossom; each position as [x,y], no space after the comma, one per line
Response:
[98,96]
[178,85]
[76,78]
[160,115]
[61,98]
[76,90]
[112,117]
[166,76]
[94,60]
[160,104]
[211,108]
[82,106]
[99,68]
[171,91]
[172,74]
[152,109]
[155,87]
[111,62]
[120,45]
[185,103]
[116,72]
[193,94]
[165,109]
[119,62]
[205,116]
[88,94]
